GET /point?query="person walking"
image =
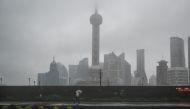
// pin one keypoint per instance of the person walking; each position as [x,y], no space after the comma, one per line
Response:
[77,96]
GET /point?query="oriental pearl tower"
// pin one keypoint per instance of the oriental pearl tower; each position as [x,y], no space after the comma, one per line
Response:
[95,20]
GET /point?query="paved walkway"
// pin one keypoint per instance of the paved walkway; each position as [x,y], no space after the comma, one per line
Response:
[128,104]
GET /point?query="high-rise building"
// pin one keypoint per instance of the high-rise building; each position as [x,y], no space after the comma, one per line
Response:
[177,76]
[116,70]
[53,74]
[72,74]
[177,52]
[189,57]
[63,74]
[82,75]
[95,20]
[152,80]
[57,75]
[42,78]
[140,74]
[83,68]
[161,73]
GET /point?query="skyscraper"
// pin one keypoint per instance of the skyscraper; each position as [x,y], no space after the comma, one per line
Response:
[95,20]
[189,57]
[152,80]
[83,69]
[140,73]
[161,73]
[117,71]
[57,75]
[73,74]
[177,52]
[82,75]
[177,74]
[140,60]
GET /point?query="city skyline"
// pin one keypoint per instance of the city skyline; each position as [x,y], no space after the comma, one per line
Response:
[24,48]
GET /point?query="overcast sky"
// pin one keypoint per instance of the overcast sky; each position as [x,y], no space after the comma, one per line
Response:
[33,31]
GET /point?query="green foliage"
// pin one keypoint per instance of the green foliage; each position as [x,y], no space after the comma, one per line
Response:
[4,107]
[69,107]
[19,107]
[53,97]
[55,107]
[41,107]
[10,98]
[28,107]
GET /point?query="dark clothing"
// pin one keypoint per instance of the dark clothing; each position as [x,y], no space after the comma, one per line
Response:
[77,100]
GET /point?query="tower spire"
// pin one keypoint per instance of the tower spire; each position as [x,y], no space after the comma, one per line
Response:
[96,10]
[53,58]
[96,7]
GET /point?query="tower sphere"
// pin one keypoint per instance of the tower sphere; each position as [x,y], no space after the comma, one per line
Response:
[96,19]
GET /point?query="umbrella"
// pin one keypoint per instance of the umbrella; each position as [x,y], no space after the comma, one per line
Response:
[79,91]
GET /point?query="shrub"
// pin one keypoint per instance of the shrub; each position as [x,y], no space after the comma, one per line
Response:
[28,107]
[41,107]
[19,107]
[10,98]
[69,107]
[55,107]
[4,107]
[53,97]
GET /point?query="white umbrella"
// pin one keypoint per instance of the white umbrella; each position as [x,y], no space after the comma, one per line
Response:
[79,91]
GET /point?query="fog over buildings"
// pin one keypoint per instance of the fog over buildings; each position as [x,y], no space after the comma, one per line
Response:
[161,73]
[178,73]
[33,31]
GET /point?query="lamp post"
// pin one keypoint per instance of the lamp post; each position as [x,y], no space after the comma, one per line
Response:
[69,82]
[100,77]
[34,82]
[29,80]
[39,83]
[1,79]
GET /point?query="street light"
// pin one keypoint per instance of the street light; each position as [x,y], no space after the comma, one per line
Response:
[100,77]
[38,83]
[69,81]
[34,82]
[1,79]
[29,81]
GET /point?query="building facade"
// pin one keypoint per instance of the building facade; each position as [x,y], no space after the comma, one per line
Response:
[177,53]
[72,74]
[177,76]
[57,75]
[82,70]
[178,73]
[79,74]
[140,73]
[161,73]
[42,78]
[116,70]
[152,80]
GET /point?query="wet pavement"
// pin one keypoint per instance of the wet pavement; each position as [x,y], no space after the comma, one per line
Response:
[122,104]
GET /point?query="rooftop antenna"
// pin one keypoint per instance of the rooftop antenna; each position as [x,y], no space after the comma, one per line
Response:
[96,6]
[163,56]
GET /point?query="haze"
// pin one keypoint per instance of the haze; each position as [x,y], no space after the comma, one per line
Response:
[33,31]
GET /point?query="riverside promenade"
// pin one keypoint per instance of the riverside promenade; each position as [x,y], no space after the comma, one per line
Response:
[102,105]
